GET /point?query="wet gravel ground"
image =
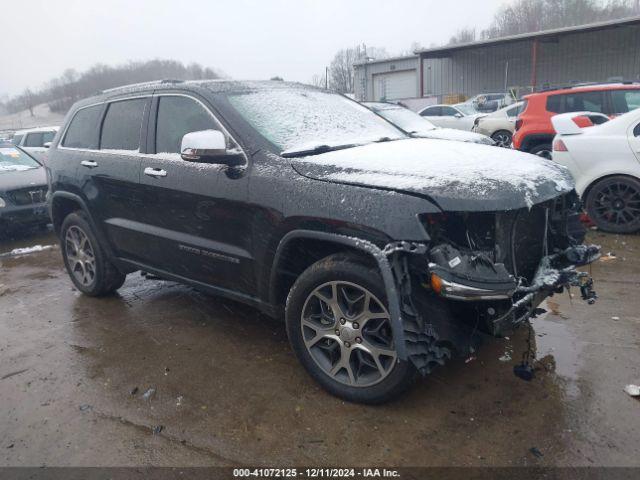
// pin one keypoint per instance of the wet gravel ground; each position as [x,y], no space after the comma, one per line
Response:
[227,389]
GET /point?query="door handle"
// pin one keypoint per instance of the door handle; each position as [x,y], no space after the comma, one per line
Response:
[89,163]
[155,172]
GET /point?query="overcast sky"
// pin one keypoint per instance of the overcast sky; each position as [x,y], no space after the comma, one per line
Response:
[246,39]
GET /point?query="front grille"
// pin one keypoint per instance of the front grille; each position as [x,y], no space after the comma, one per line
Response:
[28,196]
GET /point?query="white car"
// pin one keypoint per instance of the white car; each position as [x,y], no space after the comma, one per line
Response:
[417,126]
[460,116]
[35,140]
[500,124]
[605,162]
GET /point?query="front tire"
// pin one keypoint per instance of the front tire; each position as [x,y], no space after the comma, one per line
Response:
[614,204]
[87,265]
[340,330]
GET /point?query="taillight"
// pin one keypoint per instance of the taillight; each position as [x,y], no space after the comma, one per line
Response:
[518,124]
[559,146]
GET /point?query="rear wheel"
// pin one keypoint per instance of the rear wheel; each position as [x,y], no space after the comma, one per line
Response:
[340,329]
[90,270]
[502,138]
[614,204]
[543,150]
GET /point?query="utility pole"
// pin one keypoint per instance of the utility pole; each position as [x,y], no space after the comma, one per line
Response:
[326,78]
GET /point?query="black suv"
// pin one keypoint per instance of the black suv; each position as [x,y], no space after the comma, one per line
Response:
[385,254]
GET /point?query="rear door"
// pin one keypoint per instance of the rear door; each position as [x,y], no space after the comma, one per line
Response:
[196,216]
[110,174]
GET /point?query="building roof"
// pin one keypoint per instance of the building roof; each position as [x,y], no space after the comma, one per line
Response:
[383,60]
[532,35]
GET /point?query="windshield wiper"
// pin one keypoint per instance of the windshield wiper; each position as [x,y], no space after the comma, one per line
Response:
[317,150]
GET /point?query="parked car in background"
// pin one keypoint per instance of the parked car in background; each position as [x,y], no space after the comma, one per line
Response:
[385,254]
[23,189]
[459,116]
[534,131]
[35,140]
[416,126]
[490,102]
[605,162]
[499,125]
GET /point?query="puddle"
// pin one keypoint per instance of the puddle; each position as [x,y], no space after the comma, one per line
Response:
[558,351]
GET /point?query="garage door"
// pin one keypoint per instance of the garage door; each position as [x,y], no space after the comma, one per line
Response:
[395,85]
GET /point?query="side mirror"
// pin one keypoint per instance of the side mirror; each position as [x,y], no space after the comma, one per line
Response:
[46,144]
[209,146]
[458,115]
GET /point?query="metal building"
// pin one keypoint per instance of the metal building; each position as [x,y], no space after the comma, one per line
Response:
[598,52]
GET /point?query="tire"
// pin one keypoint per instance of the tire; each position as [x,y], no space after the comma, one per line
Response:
[372,374]
[85,260]
[543,150]
[502,138]
[613,204]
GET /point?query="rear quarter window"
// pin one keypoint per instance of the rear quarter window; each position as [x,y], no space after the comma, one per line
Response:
[83,129]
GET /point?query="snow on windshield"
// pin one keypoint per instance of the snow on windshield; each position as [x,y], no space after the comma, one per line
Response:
[13,160]
[406,119]
[302,119]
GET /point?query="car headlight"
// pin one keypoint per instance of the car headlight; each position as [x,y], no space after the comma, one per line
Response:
[2,203]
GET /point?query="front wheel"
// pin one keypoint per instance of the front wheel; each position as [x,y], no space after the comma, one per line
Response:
[340,329]
[90,270]
[614,204]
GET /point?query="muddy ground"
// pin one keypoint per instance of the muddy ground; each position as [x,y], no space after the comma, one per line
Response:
[228,390]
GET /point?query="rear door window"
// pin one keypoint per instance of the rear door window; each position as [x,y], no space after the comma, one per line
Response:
[432,112]
[449,111]
[577,102]
[83,129]
[625,100]
[178,116]
[122,125]
[33,139]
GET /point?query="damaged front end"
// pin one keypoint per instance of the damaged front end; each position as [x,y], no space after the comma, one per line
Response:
[485,273]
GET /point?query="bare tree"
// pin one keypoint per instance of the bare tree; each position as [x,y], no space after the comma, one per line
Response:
[464,35]
[28,101]
[341,75]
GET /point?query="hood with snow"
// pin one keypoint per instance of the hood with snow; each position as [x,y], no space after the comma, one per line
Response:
[456,176]
[455,134]
[18,176]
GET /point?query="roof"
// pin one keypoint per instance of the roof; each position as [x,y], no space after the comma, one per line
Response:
[587,88]
[532,35]
[383,60]
[54,128]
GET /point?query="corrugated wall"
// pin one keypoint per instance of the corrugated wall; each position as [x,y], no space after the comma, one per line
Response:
[364,81]
[578,57]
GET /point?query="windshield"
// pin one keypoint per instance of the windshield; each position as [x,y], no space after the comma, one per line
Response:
[12,160]
[407,120]
[300,120]
[466,108]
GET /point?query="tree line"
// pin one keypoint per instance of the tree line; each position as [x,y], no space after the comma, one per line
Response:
[526,16]
[61,92]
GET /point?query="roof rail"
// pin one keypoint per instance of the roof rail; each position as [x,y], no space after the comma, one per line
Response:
[141,84]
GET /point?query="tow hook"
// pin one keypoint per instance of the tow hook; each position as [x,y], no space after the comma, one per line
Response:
[585,282]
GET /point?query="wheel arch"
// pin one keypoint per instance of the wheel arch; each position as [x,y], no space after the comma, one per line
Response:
[593,182]
[298,241]
[531,141]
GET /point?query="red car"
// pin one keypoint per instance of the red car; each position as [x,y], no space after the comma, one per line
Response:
[534,132]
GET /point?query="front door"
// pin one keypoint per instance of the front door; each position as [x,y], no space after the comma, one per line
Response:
[195,214]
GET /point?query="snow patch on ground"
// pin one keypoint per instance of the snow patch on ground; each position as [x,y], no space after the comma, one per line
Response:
[27,250]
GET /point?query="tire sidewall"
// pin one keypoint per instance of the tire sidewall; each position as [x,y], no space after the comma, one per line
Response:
[539,148]
[345,270]
[590,200]
[79,220]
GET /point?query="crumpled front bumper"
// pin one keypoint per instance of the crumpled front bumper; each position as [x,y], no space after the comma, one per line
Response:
[554,272]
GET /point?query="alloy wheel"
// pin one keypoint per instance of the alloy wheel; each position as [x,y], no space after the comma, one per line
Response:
[617,204]
[80,256]
[502,139]
[347,331]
